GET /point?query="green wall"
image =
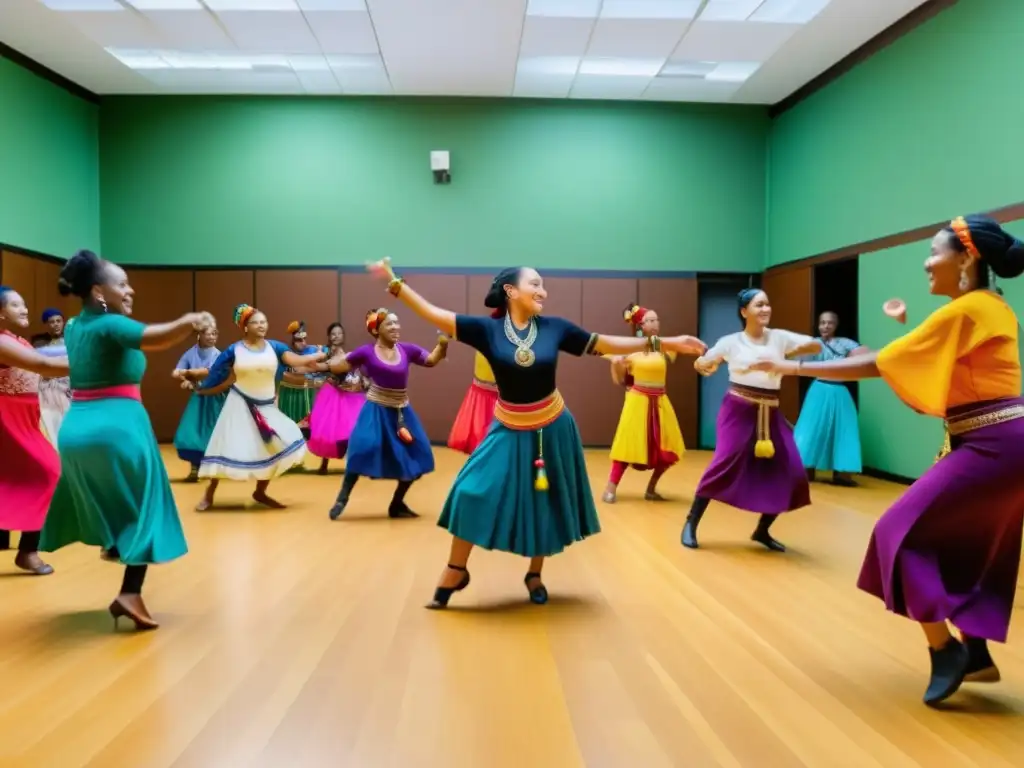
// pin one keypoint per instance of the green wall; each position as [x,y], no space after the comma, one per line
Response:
[926,129]
[49,141]
[341,181]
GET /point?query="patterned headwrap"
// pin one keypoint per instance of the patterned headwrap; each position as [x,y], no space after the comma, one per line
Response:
[634,314]
[51,313]
[374,319]
[295,327]
[243,314]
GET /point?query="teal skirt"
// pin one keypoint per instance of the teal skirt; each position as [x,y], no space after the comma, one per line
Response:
[113,490]
[196,426]
[827,434]
[494,505]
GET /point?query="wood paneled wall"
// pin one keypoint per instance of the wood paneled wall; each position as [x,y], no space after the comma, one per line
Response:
[321,296]
[791,292]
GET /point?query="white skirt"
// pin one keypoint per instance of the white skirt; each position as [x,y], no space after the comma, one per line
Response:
[54,402]
[236,450]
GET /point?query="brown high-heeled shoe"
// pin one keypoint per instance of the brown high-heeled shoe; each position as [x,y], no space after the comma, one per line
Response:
[118,609]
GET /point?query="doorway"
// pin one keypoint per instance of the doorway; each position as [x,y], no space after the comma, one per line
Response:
[836,290]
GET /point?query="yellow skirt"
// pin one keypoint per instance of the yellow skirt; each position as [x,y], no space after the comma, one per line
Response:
[648,435]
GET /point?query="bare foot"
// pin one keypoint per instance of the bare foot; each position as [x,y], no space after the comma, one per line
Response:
[653,496]
[262,498]
[204,505]
[608,497]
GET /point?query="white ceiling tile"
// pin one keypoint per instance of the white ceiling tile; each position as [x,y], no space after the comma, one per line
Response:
[190,30]
[543,36]
[83,5]
[332,5]
[543,86]
[252,5]
[318,82]
[348,32]
[608,87]
[165,5]
[270,31]
[733,41]
[635,37]
[564,9]
[729,10]
[689,89]
[123,30]
[360,74]
[649,9]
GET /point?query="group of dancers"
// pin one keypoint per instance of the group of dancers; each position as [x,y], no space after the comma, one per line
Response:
[946,554]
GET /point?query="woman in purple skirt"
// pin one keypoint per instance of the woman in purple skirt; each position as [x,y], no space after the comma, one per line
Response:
[756,466]
[948,551]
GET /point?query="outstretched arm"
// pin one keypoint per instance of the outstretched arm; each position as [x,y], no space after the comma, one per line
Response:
[810,348]
[438,353]
[160,336]
[442,319]
[627,345]
[17,356]
[847,369]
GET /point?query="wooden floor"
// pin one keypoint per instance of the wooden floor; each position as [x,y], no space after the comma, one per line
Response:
[291,641]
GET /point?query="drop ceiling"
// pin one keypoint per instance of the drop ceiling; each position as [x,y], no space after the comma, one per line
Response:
[737,51]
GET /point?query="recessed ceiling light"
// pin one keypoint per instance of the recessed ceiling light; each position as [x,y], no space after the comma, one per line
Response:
[621,67]
[649,9]
[789,11]
[308,63]
[698,69]
[729,10]
[83,5]
[548,65]
[734,71]
[564,9]
[165,5]
[252,5]
[136,59]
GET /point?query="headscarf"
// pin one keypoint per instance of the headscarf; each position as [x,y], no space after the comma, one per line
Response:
[985,240]
[296,327]
[374,319]
[51,313]
[243,314]
[634,314]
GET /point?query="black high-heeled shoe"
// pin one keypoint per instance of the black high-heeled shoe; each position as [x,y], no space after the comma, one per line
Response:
[538,595]
[443,594]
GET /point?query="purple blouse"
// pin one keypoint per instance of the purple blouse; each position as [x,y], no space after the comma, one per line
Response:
[382,374]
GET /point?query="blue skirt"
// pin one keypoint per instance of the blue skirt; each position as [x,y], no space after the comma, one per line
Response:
[196,426]
[494,505]
[828,433]
[375,450]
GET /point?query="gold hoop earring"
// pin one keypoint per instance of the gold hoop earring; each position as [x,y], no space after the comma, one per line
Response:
[964,282]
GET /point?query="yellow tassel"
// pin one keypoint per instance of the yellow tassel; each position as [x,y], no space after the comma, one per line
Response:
[764,448]
[946,447]
[541,483]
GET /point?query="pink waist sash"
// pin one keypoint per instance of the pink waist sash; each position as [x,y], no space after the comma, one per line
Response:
[124,391]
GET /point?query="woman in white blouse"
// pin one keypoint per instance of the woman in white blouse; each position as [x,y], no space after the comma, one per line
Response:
[756,466]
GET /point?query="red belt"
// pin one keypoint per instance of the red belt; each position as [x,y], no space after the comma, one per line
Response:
[124,391]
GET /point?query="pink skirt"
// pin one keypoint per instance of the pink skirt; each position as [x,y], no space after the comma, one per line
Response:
[30,467]
[334,414]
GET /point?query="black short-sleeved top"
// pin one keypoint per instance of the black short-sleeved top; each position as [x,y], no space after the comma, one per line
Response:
[517,384]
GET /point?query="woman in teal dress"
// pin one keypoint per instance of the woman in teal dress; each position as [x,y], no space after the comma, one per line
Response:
[113,490]
[525,489]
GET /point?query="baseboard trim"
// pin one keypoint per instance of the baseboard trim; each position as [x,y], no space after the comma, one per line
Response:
[881,474]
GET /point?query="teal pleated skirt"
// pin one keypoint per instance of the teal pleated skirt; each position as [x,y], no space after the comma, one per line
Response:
[494,505]
[113,490]
[196,426]
[827,434]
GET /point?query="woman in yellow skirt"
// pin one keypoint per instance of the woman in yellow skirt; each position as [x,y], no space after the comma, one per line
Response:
[648,436]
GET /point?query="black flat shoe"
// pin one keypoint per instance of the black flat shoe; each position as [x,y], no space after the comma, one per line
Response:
[980,666]
[400,511]
[765,539]
[538,595]
[689,537]
[337,509]
[949,665]
[443,594]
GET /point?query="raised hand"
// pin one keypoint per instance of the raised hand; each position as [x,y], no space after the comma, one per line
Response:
[705,367]
[896,309]
[381,269]
[686,345]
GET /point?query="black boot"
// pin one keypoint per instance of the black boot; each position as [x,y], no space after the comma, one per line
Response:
[980,666]
[398,508]
[346,490]
[761,535]
[689,537]
[949,665]
[5,540]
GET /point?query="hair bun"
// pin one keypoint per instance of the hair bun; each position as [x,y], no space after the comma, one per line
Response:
[496,297]
[79,274]
[999,250]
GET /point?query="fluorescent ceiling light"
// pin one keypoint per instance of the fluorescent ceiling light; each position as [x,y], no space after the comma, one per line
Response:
[205,61]
[83,5]
[371,61]
[165,5]
[564,9]
[649,9]
[308,63]
[729,10]
[134,59]
[252,5]
[332,5]
[548,65]
[789,11]
[621,67]
[734,71]
[695,69]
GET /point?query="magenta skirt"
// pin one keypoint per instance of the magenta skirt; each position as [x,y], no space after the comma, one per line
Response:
[738,478]
[330,423]
[29,465]
[949,548]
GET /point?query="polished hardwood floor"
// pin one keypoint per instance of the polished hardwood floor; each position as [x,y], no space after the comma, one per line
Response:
[289,640]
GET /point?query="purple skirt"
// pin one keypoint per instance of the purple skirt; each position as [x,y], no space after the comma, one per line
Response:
[949,548]
[738,478]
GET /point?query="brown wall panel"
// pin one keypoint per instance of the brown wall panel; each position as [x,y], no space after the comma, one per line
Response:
[219,292]
[599,400]
[675,301]
[311,295]
[792,298]
[46,295]
[360,292]
[162,295]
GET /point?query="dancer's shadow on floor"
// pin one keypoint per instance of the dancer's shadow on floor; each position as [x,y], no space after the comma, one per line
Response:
[71,627]
[558,608]
[750,549]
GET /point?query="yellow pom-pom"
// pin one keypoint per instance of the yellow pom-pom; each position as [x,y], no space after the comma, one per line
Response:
[541,483]
[764,449]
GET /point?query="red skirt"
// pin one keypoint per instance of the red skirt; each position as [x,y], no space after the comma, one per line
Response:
[474,417]
[30,467]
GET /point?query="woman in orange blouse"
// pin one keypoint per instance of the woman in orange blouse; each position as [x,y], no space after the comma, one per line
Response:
[948,551]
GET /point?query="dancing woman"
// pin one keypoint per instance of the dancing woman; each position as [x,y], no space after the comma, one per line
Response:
[948,551]
[525,489]
[113,490]
[827,434]
[337,406]
[54,391]
[756,466]
[476,414]
[387,441]
[29,468]
[201,413]
[297,391]
[648,436]
[253,439]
